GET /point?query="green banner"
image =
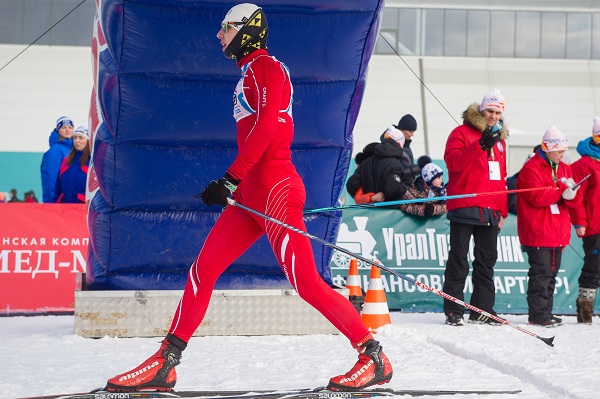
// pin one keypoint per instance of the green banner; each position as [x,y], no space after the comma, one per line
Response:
[417,247]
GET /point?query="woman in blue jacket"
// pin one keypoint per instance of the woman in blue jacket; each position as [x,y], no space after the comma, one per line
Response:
[70,185]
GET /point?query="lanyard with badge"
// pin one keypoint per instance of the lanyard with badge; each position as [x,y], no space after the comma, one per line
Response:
[554,207]
[493,166]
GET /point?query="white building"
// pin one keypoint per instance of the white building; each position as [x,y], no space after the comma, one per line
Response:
[433,58]
[543,55]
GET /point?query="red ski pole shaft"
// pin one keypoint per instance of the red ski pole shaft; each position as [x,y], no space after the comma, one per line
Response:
[548,341]
[522,190]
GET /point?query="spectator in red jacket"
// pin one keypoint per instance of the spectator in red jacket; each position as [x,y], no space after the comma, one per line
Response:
[586,218]
[30,197]
[511,184]
[475,156]
[543,224]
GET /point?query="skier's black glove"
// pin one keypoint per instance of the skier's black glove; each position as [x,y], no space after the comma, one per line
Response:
[217,191]
[490,136]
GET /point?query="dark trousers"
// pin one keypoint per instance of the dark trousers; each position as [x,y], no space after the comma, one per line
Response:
[485,254]
[543,268]
[590,272]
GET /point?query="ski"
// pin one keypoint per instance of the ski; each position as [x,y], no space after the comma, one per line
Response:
[317,393]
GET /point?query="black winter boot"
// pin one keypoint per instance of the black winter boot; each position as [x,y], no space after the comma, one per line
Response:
[585,305]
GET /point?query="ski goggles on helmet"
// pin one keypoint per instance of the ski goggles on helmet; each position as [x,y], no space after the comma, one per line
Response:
[225,25]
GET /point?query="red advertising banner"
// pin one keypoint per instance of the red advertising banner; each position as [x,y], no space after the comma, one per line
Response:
[43,249]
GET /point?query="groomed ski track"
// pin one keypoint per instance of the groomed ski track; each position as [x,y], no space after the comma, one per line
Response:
[44,357]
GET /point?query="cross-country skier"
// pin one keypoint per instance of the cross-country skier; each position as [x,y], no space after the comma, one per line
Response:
[261,177]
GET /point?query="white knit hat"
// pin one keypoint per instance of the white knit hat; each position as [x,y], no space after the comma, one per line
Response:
[492,100]
[596,130]
[396,135]
[554,140]
[82,131]
[430,172]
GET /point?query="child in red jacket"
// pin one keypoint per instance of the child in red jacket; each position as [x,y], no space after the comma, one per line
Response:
[544,224]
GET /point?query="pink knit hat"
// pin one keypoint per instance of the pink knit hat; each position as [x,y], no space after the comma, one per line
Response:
[396,135]
[554,140]
[492,100]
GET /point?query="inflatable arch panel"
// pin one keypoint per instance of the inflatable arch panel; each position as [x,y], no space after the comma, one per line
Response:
[162,128]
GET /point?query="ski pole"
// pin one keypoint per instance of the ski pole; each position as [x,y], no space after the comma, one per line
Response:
[548,341]
[415,200]
[582,180]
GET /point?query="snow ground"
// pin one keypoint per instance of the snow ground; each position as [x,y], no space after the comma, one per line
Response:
[42,356]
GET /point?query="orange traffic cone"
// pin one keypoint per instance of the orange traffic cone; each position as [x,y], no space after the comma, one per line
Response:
[375,311]
[353,280]
[356,295]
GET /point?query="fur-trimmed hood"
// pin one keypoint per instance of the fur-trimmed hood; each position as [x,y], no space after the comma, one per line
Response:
[473,117]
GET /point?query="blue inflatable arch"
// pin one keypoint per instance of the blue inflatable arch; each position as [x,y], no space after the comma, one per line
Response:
[162,125]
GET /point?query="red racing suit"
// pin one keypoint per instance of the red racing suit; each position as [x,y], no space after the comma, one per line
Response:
[269,184]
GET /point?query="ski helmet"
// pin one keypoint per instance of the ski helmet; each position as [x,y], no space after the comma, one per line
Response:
[251,22]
